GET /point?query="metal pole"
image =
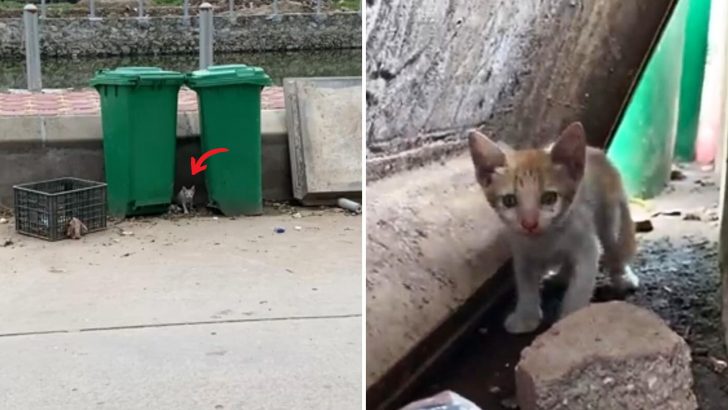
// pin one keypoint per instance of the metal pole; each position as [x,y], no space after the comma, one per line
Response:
[232,5]
[186,12]
[32,47]
[275,6]
[318,7]
[43,9]
[141,9]
[206,33]
[92,10]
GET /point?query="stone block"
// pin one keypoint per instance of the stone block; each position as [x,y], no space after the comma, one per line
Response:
[324,134]
[606,356]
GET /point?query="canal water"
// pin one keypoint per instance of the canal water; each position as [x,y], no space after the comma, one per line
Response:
[76,73]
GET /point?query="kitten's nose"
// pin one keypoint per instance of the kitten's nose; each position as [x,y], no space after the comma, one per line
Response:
[529,224]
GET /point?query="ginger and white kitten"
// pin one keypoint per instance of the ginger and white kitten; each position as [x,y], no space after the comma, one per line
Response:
[556,202]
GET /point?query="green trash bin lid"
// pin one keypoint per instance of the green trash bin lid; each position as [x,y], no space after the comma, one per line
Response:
[228,74]
[133,76]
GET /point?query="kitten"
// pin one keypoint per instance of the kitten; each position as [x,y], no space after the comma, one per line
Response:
[185,198]
[75,229]
[555,203]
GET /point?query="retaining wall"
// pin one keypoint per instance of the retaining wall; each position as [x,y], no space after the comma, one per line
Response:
[35,148]
[67,37]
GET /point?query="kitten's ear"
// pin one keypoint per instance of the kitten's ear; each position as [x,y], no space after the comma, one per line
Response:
[507,149]
[570,150]
[192,189]
[486,155]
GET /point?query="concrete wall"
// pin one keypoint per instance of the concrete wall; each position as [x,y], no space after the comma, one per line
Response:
[71,146]
[65,37]
[521,69]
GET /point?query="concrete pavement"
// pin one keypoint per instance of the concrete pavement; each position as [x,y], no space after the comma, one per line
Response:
[196,313]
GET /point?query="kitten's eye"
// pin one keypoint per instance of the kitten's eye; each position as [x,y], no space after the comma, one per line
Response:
[549,198]
[509,200]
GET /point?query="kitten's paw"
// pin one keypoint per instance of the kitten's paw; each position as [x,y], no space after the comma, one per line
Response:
[627,281]
[517,323]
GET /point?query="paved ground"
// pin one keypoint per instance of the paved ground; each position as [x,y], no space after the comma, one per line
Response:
[196,313]
[86,102]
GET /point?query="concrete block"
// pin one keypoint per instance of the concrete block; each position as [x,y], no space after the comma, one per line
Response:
[23,129]
[607,356]
[432,241]
[324,123]
[72,128]
[87,128]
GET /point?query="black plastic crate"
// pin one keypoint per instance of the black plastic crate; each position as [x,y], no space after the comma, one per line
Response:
[43,209]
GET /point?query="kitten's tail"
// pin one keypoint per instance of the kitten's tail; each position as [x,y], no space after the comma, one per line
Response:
[627,241]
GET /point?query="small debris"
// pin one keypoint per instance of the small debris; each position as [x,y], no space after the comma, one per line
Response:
[483,330]
[298,228]
[3,220]
[57,270]
[7,243]
[674,212]
[349,205]
[704,183]
[691,216]
[127,233]
[718,365]
[125,255]
[214,218]
[509,403]
[709,215]
[494,390]
[667,289]
[676,175]
[279,230]
[297,215]
[644,225]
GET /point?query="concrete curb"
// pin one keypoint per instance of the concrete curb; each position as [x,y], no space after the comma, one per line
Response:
[80,128]
[432,241]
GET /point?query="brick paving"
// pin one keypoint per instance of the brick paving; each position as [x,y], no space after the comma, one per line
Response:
[86,102]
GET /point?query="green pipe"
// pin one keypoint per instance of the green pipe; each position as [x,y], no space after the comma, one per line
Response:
[644,143]
[691,85]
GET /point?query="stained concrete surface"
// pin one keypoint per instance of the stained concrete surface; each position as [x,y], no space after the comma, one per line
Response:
[678,268]
[185,313]
[523,70]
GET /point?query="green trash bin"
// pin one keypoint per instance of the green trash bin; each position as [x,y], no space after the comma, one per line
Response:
[229,101]
[139,122]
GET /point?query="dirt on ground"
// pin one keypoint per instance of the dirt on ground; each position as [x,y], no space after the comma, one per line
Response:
[677,263]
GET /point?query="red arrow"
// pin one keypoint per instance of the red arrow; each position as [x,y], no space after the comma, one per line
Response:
[196,165]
